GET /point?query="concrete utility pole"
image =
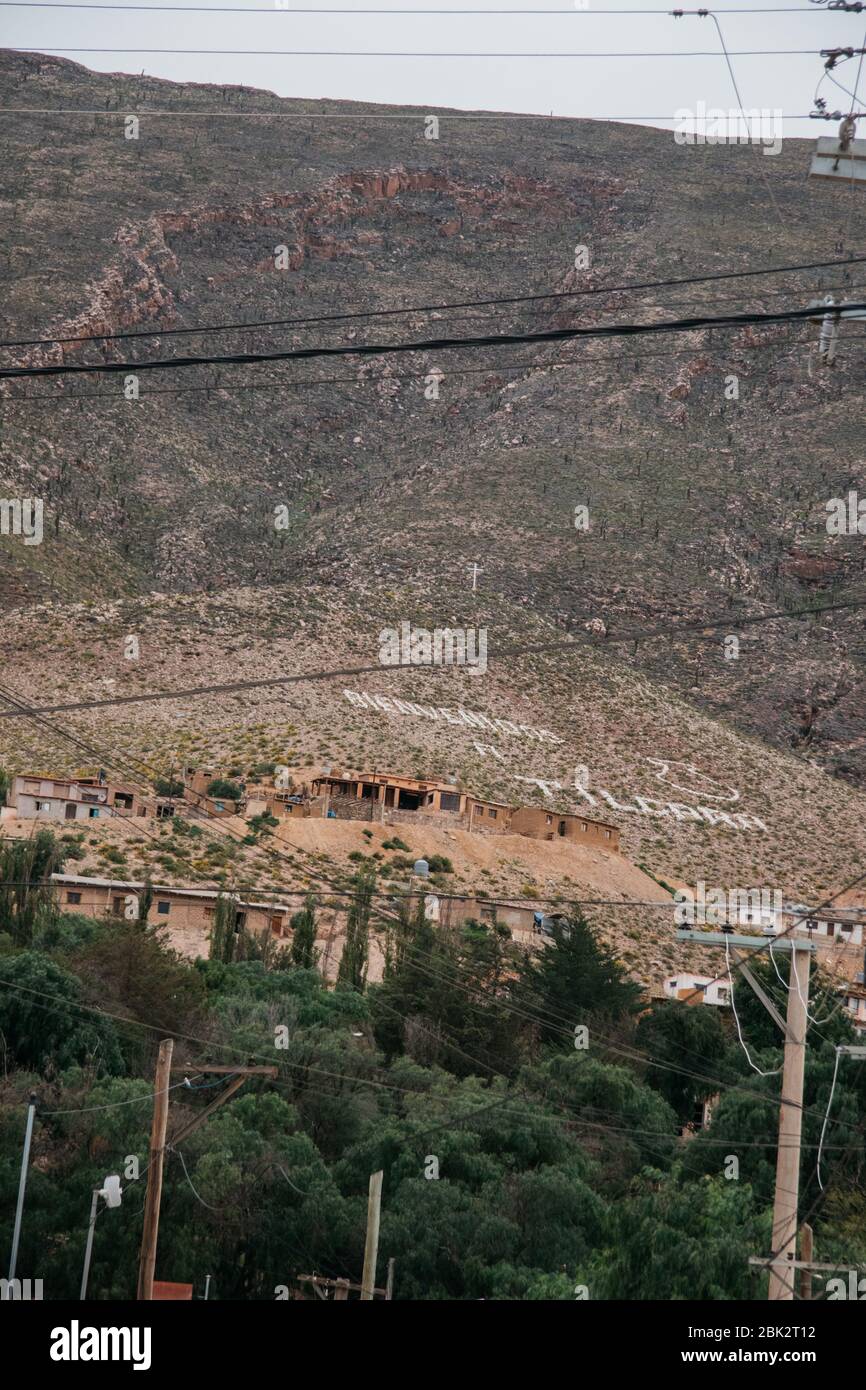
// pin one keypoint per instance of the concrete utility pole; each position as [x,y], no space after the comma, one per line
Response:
[371,1248]
[784,1237]
[22,1186]
[782,1263]
[147,1261]
[806,1251]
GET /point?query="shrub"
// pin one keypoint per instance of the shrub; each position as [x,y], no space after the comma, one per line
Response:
[225,790]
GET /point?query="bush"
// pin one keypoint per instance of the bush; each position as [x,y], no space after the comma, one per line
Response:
[225,790]
[164,787]
[262,770]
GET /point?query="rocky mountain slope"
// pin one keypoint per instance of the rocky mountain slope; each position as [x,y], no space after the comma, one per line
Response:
[706,495]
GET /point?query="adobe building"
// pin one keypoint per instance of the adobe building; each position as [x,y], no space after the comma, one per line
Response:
[186,913]
[539,824]
[392,798]
[195,792]
[393,792]
[34,797]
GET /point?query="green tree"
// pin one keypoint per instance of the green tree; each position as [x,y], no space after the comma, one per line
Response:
[444,997]
[303,925]
[163,786]
[225,790]
[26,891]
[45,1020]
[573,978]
[223,938]
[145,900]
[352,970]
[689,1043]
[676,1240]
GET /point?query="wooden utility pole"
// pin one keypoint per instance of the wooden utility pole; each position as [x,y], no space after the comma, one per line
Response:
[153,1195]
[235,1078]
[340,1288]
[784,1237]
[371,1247]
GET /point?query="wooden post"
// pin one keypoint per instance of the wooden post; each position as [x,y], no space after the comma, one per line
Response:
[389,1286]
[371,1247]
[341,1290]
[784,1237]
[806,1256]
[153,1195]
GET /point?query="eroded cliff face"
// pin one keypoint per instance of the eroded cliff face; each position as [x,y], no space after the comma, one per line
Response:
[134,292]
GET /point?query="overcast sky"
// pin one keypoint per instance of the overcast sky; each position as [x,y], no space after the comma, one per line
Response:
[567,86]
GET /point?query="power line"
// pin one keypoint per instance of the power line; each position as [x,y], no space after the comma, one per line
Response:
[552,335]
[310,383]
[285,9]
[536,649]
[412,309]
[447,115]
[394,53]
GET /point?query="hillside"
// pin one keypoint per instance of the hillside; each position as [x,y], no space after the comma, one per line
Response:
[700,507]
[606,716]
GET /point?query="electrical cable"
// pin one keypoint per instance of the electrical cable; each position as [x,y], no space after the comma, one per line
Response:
[551,335]
[410,310]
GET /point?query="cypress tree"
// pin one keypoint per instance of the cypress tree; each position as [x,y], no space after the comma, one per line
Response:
[303,924]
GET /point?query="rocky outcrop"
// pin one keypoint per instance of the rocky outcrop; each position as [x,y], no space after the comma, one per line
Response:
[133,291]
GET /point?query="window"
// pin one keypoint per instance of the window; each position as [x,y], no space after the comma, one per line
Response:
[43,806]
[562,827]
[117,906]
[72,897]
[491,813]
[583,825]
[93,813]
[69,813]
[163,908]
[722,995]
[449,801]
[607,834]
[550,821]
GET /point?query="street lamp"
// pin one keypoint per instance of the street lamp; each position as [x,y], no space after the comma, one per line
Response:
[111,1191]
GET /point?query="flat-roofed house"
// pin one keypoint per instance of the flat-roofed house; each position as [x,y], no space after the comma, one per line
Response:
[186,913]
[698,989]
[540,824]
[35,797]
